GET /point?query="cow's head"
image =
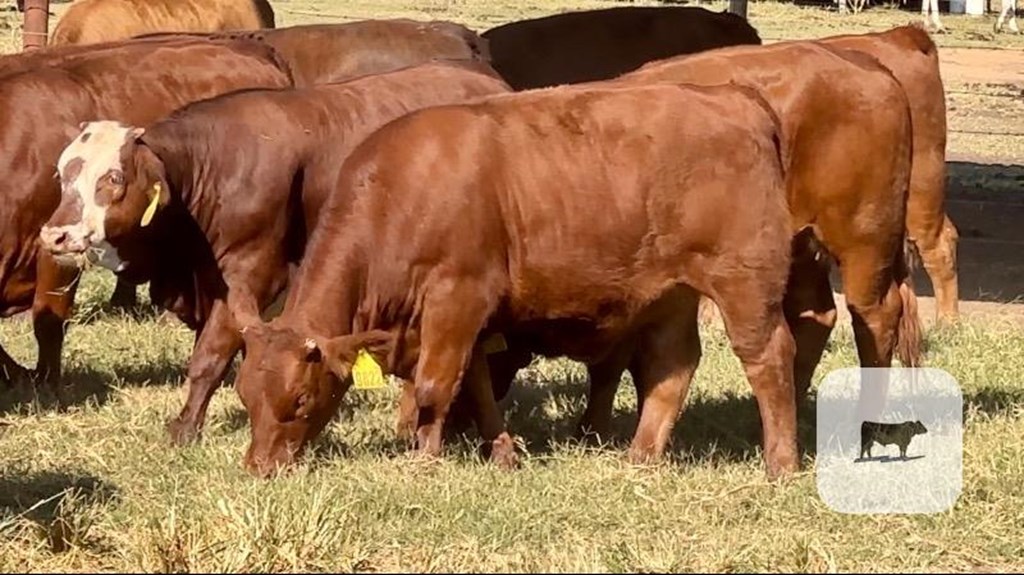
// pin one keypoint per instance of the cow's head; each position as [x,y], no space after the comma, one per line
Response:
[292,385]
[918,428]
[112,185]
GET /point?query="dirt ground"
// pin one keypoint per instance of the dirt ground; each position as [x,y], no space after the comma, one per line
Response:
[978,65]
[983,196]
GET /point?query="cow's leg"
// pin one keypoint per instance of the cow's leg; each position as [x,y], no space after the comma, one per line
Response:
[490,421]
[1013,16]
[501,371]
[124,296]
[405,429]
[875,305]
[666,357]
[447,338]
[604,383]
[51,309]
[810,311]
[931,231]
[761,339]
[935,15]
[216,345]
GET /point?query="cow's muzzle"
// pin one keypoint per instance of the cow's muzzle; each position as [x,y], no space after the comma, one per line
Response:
[67,244]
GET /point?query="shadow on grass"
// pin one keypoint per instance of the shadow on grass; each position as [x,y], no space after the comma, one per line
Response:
[727,427]
[886,458]
[724,428]
[993,401]
[57,503]
[86,385]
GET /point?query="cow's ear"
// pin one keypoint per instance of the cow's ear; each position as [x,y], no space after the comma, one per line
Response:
[370,349]
[158,197]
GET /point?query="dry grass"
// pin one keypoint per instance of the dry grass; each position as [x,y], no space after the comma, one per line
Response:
[93,485]
[89,482]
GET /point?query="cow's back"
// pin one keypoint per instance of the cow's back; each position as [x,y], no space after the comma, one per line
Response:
[821,97]
[563,192]
[599,44]
[322,53]
[911,55]
[93,21]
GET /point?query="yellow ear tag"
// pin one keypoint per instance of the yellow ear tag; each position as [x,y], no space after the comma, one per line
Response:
[366,372]
[494,344]
[154,202]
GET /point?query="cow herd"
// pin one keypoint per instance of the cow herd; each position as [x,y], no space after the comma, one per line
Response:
[341,202]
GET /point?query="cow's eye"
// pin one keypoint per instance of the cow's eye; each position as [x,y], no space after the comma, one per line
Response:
[117,178]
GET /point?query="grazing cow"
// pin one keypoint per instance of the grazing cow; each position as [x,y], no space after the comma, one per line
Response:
[574,218]
[93,21]
[236,182]
[600,44]
[852,211]
[323,53]
[1009,9]
[912,57]
[40,113]
[888,434]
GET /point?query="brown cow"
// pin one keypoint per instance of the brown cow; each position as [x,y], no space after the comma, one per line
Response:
[851,211]
[911,55]
[854,211]
[600,44]
[323,53]
[577,218]
[40,113]
[93,21]
[240,180]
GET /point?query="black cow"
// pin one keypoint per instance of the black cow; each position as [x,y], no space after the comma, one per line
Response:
[889,434]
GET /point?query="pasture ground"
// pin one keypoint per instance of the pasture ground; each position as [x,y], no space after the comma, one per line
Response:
[88,481]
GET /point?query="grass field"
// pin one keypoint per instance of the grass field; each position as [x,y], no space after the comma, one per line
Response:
[89,482]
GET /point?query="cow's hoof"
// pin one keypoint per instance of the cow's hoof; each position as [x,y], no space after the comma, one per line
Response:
[502,452]
[182,432]
[637,456]
[781,469]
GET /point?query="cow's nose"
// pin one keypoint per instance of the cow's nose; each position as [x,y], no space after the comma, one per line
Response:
[54,239]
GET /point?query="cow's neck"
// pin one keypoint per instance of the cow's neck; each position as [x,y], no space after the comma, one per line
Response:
[328,290]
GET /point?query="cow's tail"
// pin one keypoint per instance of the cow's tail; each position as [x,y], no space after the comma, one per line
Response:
[908,330]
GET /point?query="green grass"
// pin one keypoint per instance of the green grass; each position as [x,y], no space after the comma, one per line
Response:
[89,482]
[93,484]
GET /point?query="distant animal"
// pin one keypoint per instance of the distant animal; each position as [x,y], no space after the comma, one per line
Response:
[1009,10]
[888,434]
[593,45]
[92,21]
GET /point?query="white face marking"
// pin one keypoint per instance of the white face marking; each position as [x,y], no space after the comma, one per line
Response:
[97,151]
